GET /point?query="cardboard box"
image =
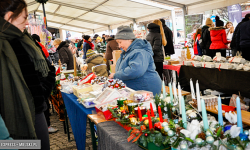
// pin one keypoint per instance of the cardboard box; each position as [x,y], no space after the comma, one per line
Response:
[116,55]
[112,68]
[173,62]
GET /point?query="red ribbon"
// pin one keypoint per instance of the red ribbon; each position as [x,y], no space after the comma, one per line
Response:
[183,62]
[204,65]
[134,132]
[192,64]
[231,60]
[219,67]
[193,58]
[215,58]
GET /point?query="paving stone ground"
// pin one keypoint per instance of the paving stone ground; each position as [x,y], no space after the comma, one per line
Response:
[59,140]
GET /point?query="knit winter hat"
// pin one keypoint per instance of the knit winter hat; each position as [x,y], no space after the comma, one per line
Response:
[218,22]
[124,33]
[209,21]
[86,37]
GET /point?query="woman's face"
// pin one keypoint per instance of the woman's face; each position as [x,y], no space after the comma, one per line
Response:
[90,40]
[20,22]
[229,26]
[124,44]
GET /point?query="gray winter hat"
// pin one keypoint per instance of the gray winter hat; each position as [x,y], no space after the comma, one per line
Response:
[124,33]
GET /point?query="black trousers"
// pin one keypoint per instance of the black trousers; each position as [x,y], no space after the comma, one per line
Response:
[246,53]
[47,113]
[42,132]
[159,68]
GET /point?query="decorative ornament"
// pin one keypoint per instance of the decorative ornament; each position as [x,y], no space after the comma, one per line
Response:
[208,133]
[146,134]
[243,137]
[176,121]
[246,132]
[227,127]
[158,126]
[116,85]
[133,120]
[210,139]
[170,133]
[166,128]
[198,141]
[184,147]
[164,124]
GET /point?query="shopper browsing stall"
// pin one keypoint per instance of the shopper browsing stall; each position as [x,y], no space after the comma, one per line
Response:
[87,45]
[205,38]
[26,76]
[136,66]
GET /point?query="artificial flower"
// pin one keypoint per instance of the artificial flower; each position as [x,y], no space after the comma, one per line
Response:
[234,131]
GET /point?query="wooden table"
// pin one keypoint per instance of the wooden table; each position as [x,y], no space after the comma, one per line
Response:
[95,119]
[245,114]
[183,93]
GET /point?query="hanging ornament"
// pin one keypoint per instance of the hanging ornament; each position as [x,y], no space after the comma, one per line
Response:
[170,133]
[243,137]
[164,124]
[146,134]
[198,141]
[116,85]
[166,128]
[208,133]
[246,132]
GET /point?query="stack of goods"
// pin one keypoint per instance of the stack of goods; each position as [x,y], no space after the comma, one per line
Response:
[114,84]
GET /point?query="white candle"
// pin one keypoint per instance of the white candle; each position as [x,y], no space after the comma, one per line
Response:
[175,91]
[179,94]
[198,96]
[192,89]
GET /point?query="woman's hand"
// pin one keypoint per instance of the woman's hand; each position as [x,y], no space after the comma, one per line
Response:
[111,76]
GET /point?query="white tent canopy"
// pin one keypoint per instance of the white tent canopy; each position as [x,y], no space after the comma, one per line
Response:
[91,16]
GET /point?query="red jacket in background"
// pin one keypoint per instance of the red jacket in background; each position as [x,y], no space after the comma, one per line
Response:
[218,38]
[195,44]
[45,51]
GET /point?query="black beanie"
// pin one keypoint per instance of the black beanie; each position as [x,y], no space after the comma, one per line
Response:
[86,37]
[36,37]
[218,22]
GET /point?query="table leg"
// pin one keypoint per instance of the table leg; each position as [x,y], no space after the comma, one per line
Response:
[92,130]
[67,124]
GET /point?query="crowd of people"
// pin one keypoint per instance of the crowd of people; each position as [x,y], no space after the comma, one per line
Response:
[211,38]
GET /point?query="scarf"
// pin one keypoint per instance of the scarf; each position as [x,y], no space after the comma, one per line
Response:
[16,102]
[90,44]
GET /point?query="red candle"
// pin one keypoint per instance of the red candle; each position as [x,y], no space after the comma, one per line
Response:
[149,120]
[152,110]
[139,113]
[160,114]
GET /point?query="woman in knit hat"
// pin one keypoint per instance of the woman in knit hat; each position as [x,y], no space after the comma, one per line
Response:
[156,38]
[136,66]
[218,38]
[205,38]
[87,45]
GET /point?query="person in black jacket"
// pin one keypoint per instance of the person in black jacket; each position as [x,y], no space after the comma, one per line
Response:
[169,48]
[155,39]
[65,54]
[79,44]
[206,38]
[233,44]
[243,39]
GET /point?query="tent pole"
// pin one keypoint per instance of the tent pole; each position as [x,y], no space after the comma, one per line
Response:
[184,23]
[174,26]
[44,14]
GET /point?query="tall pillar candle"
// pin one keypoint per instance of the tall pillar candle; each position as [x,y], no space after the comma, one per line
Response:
[175,91]
[139,113]
[152,110]
[160,114]
[163,90]
[183,109]
[149,120]
[192,89]
[239,119]
[220,117]
[179,95]
[171,93]
[198,96]
[204,115]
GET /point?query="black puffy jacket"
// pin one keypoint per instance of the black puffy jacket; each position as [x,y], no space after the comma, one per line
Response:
[205,37]
[155,39]
[65,55]
[169,48]
[243,35]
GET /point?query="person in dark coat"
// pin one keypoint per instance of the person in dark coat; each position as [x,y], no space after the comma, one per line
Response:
[87,45]
[111,46]
[218,38]
[243,39]
[79,44]
[234,39]
[155,39]
[169,48]
[205,38]
[65,54]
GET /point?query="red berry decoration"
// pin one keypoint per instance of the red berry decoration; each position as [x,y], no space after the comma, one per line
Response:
[116,85]
[146,134]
